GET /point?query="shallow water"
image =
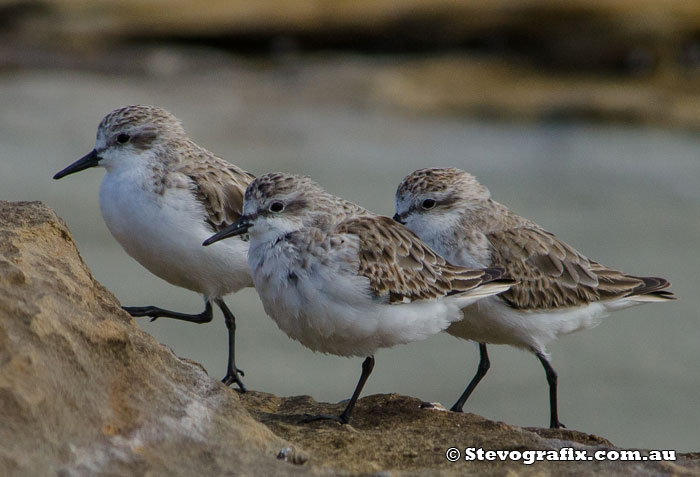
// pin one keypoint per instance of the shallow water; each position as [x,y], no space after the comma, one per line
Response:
[625,196]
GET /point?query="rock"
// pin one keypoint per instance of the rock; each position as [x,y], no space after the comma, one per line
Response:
[84,391]
[496,88]
[577,32]
[616,36]
[399,433]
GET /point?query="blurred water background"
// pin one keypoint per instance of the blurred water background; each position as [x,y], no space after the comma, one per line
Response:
[606,157]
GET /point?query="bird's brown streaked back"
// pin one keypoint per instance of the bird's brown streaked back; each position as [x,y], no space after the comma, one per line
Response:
[553,274]
[399,265]
[220,189]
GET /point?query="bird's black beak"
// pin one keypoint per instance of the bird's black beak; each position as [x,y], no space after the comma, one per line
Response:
[399,219]
[239,227]
[91,159]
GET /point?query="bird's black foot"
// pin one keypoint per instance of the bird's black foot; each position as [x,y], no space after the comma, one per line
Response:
[557,425]
[137,311]
[456,408]
[233,377]
[342,419]
[154,312]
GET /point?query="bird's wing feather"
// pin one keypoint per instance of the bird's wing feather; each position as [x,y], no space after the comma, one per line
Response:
[219,186]
[552,274]
[401,267]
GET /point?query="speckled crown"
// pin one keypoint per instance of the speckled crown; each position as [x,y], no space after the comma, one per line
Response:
[139,114]
[441,180]
[278,184]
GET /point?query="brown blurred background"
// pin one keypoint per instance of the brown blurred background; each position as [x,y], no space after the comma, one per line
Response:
[581,115]
[632,60]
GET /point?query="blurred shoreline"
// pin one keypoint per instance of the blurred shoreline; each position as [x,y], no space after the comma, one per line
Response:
[635,62]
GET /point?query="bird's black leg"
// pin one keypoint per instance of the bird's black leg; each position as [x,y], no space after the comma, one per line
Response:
[344,418]
[484,365]
[232,372]
[154,312]
[552,380]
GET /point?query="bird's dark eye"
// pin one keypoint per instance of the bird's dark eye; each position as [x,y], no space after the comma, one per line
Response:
[123,138]
[428,204]
[276,207]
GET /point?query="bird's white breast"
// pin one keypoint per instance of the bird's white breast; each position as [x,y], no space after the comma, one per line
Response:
[441,233]
[325,305]
[164,233]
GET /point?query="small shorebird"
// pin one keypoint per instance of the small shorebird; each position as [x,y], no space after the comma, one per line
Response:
[161,195]
[559,291]
[341,280]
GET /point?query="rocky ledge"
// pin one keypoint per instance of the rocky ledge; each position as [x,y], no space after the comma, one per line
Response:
[83,390]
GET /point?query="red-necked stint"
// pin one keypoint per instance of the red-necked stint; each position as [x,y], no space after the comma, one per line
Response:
[161,195]
[559,291]
[341,280]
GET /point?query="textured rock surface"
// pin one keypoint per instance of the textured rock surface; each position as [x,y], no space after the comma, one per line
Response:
[84,391]
[393,432]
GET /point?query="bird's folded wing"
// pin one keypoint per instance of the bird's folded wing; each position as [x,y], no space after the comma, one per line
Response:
[552,274]
[401,267]
[219,186]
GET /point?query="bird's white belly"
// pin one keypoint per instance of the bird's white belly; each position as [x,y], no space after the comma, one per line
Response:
[164,233]
[301,306]
[492,320]
[331,311]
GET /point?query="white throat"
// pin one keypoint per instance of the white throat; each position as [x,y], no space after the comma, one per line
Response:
[442,233]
